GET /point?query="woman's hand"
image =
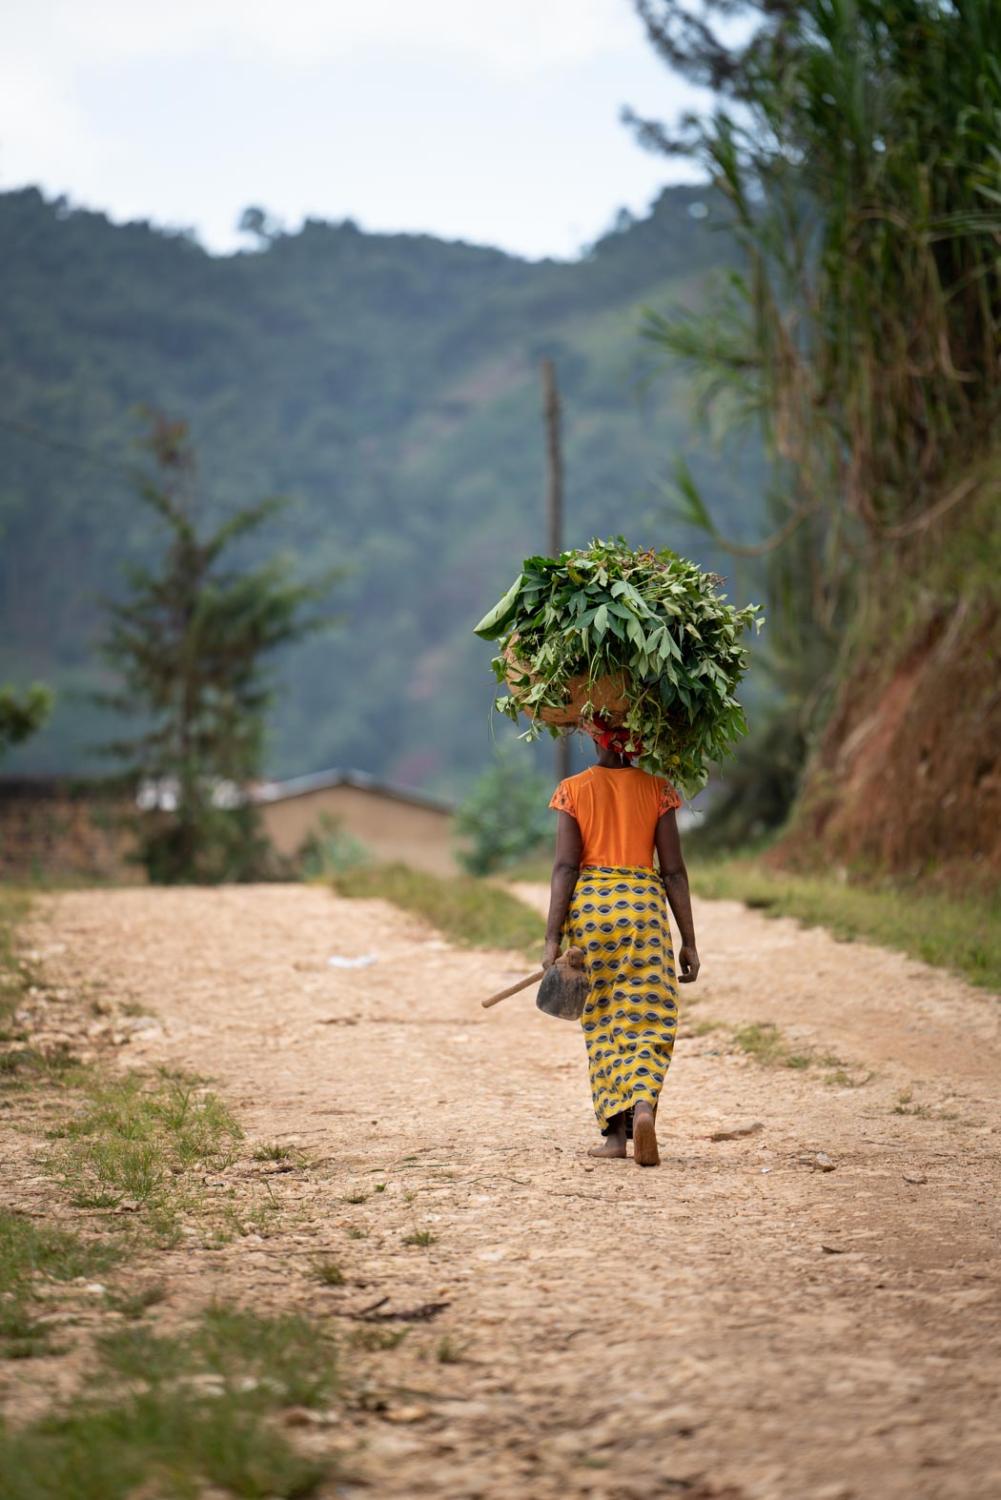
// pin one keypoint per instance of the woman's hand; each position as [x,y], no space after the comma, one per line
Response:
[688,963]
[550,952]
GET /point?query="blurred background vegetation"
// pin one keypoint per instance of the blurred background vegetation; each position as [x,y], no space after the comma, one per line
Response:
[813,412]
[388,385]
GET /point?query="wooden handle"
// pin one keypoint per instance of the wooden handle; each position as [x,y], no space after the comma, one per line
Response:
[521,985]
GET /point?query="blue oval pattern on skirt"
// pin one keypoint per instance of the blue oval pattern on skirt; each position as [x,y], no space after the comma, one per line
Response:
[631,1015]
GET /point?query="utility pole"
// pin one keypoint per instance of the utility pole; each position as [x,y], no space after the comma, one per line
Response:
[554,506]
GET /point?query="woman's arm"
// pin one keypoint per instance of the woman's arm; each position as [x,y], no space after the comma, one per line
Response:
[675,878]
[566,868]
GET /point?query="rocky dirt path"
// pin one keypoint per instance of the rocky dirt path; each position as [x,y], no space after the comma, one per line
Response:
[750,1321]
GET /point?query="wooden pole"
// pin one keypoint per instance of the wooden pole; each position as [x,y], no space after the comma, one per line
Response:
[554,506]
[554,458]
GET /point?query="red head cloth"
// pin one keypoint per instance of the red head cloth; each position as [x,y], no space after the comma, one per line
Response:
[614,737]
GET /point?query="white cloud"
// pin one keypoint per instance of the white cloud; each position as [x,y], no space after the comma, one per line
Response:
[520,35]
[495,124]
[42,130]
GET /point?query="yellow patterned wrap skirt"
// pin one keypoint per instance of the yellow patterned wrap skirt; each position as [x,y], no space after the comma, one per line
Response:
[619,918]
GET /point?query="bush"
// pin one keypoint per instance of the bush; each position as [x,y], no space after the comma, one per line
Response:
[504,818]
[330,849]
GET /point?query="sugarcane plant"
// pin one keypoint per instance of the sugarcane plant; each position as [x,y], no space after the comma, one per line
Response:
[852,147]
[652,625]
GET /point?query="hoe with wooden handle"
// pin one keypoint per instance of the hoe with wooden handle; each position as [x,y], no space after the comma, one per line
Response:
[563,991]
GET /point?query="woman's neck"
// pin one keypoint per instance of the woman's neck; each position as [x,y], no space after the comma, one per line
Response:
[609,761]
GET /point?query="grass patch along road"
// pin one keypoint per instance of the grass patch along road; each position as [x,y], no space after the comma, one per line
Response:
[961,934]
[137,1140]
[470,912]
[33,1257]
[170,1414]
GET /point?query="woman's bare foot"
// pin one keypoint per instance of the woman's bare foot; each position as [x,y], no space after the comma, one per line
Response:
[645,1152]
[612,1147]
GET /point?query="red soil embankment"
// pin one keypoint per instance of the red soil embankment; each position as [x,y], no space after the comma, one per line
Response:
[907,778]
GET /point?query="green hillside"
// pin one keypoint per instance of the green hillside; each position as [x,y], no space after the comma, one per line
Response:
[389,385]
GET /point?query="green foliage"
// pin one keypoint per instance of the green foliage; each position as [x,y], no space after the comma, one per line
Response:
[331,848]
[188,646]
[855,145]
[654,616]
[22,714]
[761,784]
[504,818]
[467,911]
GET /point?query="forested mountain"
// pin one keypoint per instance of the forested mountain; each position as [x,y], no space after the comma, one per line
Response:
[389,385]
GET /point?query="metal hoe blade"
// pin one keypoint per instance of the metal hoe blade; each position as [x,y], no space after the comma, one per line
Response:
[564,988]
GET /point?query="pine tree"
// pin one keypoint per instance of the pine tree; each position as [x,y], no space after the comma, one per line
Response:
[189,644]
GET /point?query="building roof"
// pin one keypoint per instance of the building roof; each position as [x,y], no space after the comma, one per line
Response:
[163,793]
[321,781]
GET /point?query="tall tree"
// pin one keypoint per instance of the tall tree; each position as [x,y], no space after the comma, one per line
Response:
[189,644]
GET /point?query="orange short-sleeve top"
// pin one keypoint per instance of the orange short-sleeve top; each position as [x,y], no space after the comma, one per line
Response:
[617,812]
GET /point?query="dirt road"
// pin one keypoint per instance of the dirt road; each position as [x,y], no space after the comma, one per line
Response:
[748,1322]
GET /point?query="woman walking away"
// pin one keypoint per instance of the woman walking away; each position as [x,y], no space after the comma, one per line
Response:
[608,899]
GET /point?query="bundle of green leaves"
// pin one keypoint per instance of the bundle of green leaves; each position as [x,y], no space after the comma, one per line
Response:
[651,616]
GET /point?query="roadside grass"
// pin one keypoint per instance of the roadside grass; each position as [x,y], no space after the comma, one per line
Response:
[962,934]
[468,911]
[20,1062]
[534,869]
[174,1415]
[906,1105]
[421,1238]
[764,1043]
[450,1351]
[374,1340]
[135,1305]
[32,1257]
[328,1272]
[273,1151]
[135,1140]
[14,977]
[702,1028]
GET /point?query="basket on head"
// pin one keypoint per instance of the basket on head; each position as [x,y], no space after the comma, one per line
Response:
[607,695]
[564,988]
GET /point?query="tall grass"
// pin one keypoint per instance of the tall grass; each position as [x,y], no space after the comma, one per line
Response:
[855,145]
[854,148]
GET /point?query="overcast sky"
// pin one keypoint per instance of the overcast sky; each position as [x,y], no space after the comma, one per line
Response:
[496,123]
